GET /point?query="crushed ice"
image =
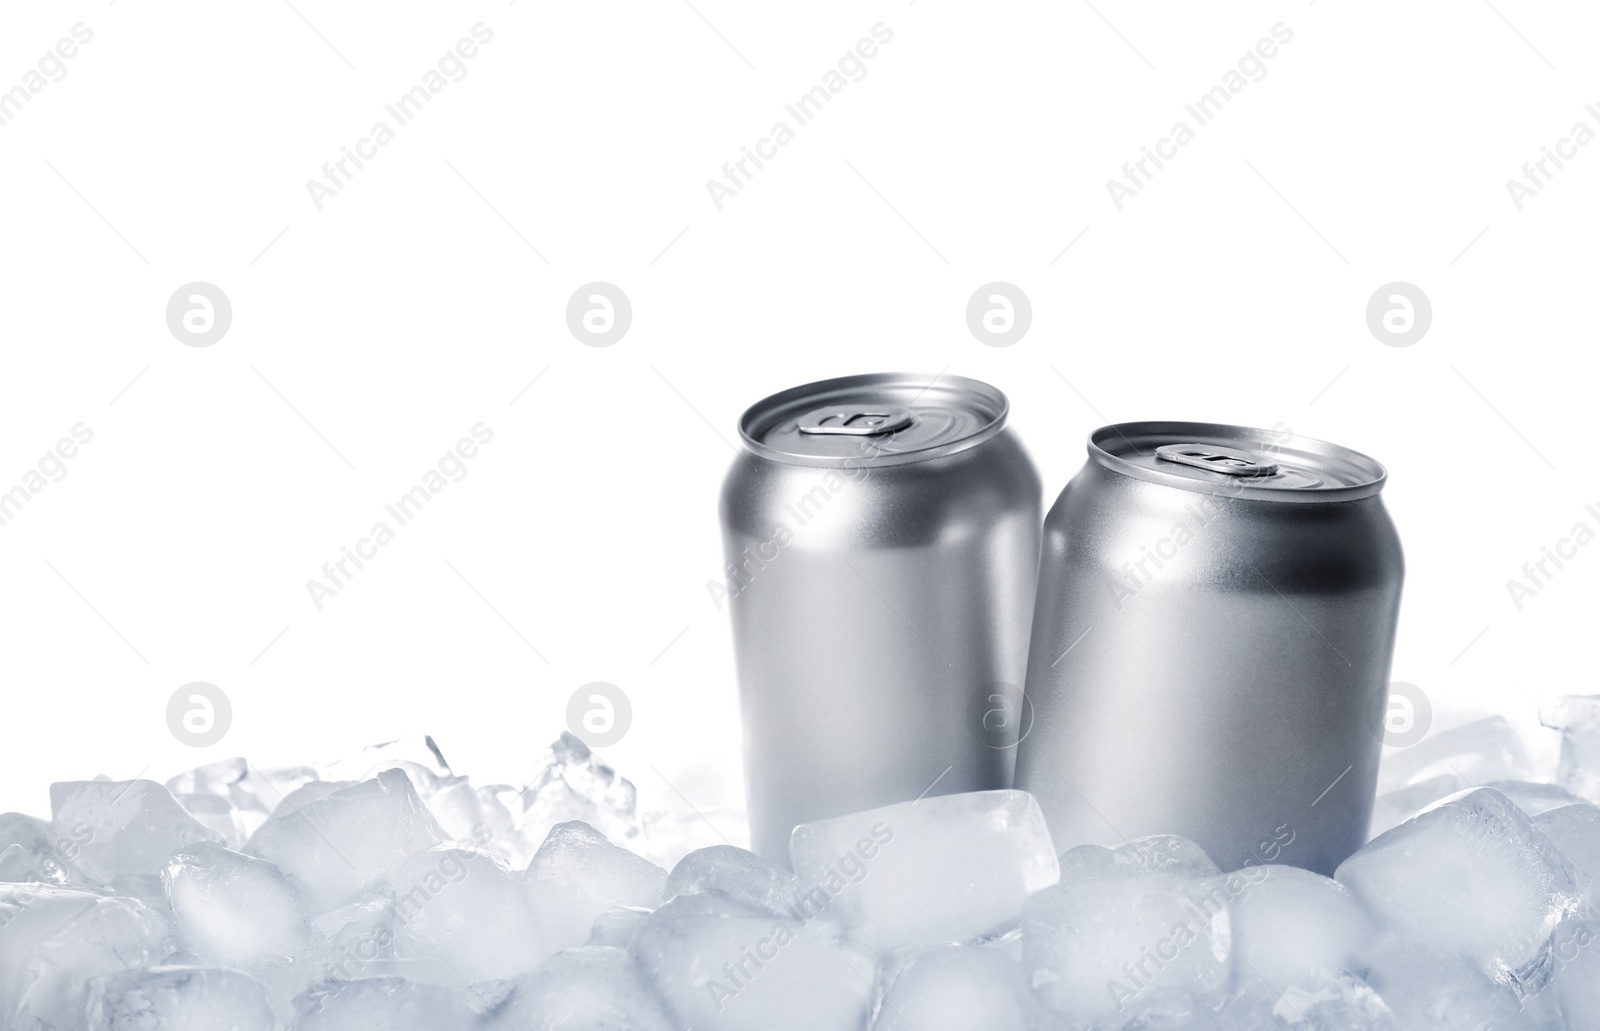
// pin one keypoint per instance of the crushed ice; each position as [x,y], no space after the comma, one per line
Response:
[389,892]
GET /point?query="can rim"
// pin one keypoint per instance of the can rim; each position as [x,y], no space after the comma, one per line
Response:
[1169,431]
[773,409]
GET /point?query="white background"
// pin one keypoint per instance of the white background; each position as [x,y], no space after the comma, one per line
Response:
[368,336]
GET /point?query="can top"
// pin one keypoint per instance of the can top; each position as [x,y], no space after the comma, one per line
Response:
[886,418]
[1214,458]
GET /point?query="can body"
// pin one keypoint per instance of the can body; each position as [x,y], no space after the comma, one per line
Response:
[880,593]
[1211,650]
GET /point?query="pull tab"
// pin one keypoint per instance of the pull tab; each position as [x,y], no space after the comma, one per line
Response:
[855,422]
[1217,459]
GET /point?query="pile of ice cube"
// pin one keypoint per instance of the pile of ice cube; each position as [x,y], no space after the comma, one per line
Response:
[389,893]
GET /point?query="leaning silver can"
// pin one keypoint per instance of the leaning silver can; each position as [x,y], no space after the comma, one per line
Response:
[882,538]
[1211,644]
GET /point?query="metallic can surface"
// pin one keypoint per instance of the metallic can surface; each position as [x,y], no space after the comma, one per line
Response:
[882,538]
[1211,645]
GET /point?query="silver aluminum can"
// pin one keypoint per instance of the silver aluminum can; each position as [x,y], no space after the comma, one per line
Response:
[1211,644]
[882,538]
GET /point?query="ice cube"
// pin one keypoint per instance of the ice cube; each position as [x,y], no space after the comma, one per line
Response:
[419,757]
[253,794]
[218,814]
[1480,751]
[951,868]
[335,849]
[179,998]
[1332,1001]
[957,988]
[1159,853]
[390,1004]
[234,910]
[1114,952]
[575,784]
[1532,797]
[1578,719]
[1575,830]
[215,778]
[577,874]
[1291,927]
[356,935]
[593,988]
[122,827]
[1443,990]
[454,802]
[54,940]
[41,856]
[618,926]
[1576,983]
[1396,807]
[17,866]
[737,874]
[500,813]
[469,910]
[1474,876]
[723,966]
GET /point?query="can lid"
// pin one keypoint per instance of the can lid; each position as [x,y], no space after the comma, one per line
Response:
[885,418]
[1214,458]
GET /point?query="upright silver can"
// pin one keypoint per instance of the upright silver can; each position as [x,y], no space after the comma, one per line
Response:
[1211,644]
[882,538]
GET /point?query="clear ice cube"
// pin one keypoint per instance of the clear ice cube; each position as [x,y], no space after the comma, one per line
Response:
[234,910]
[1473,876]
[53,941]
[1442,989]
[1477,752]
[1576,982]
[337,847]
[179,998]
[1159,853]
[122,827]
[618,926]
[1575,830]
[1291,927]
[40,856]
[1533,797]
[1114,952]
[575,784]
[951,868]
[467,909]
[1396,807]
[957,988]
[1578,719]
[723,966]
[577,874]
[736,874]
[217,814]
[593,988]
[390,1004]
[1331,1002]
